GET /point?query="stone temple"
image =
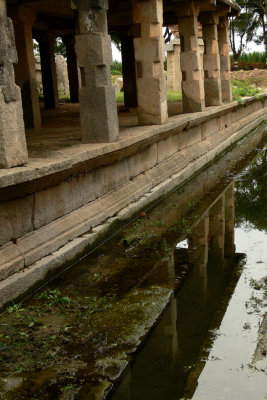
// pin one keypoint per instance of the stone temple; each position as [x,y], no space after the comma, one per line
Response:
[67,174]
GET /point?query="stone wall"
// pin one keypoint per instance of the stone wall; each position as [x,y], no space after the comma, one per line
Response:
[60,203]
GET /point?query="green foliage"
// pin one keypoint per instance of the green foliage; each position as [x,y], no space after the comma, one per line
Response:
[60,48]
[116,68]
[250,194]
[173,96]
[52,297]
[242,89]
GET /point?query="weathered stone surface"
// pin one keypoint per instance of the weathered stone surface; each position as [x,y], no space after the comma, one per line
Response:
[16,218]
[191,64]
[174,73]
[118,85]
[98,109]
[62,75]
[13,150]
[149,57]
[225,66]
[11,260]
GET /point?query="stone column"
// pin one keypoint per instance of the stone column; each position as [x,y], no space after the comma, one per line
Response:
[98,109]
[72,68]
[13,150]
[191,64]
[211,59]
[49,72]
[229,243]
[149,58]
[217,230]
[25,72]
[174,73]
[223,39]
[128,71]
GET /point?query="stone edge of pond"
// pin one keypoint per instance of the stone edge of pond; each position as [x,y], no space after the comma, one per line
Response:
[23,283]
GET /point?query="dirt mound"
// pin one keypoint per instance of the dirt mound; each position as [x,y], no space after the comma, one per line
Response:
[257,77]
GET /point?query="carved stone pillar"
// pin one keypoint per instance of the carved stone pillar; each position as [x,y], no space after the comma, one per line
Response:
[211,59]
[49,72]
[149,58]
[72,68]
[128,71]
[191,64]
[25,71]
[98,109]
[13,150]
[174,73]
[223,39]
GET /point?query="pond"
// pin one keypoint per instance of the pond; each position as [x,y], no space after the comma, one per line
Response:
[173,303]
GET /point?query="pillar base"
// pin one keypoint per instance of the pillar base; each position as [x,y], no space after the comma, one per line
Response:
[13,149]
[213,94]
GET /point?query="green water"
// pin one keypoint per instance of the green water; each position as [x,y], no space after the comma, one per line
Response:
[177,295]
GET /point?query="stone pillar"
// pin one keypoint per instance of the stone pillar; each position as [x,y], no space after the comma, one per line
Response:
[217,230]
[211,59]
[223,39]
[49,72]
[128,71]
[72,68]
[149,58]
[13,150]
[191,64]
[25,72]
[98,108]
[174,73]
[229,243]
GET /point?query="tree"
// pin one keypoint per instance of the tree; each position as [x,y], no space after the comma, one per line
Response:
[243,28]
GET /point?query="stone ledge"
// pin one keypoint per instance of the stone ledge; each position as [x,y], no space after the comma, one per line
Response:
[89,156]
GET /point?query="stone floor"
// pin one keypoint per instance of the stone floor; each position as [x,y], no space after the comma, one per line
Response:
[61,127]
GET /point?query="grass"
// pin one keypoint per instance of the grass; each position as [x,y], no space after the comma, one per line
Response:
[172,96]
[243,89]
[240,89]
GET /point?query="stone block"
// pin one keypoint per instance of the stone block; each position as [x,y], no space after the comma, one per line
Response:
[99,119]
[11,260]
[13,150]
[189,137]
[15,218]
[143,160]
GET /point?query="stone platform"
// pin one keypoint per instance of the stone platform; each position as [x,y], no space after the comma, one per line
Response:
[56,207]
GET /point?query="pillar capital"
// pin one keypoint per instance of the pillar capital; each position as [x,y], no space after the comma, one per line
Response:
[187,9]
[208,18]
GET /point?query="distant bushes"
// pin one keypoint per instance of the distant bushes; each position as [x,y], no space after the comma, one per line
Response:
[250,61]
[116,68]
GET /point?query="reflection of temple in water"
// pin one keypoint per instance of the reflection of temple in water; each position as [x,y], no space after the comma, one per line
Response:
[161,369]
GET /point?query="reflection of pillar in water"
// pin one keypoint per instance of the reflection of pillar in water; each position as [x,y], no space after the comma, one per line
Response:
[171,271]
[217,230]
[229,244]
[170,329]
[198,250]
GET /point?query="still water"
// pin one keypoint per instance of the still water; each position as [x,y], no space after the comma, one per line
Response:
[202,252]
[204,346]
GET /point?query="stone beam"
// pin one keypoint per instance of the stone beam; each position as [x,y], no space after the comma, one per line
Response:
[98,109]
[191,64]
[25,73]
[13,150]
[149,58]
[211,59]
[225,65]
